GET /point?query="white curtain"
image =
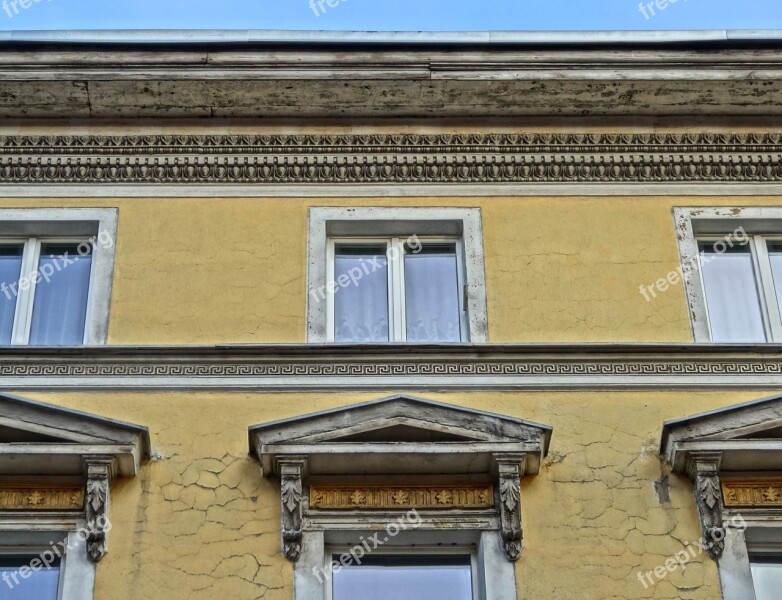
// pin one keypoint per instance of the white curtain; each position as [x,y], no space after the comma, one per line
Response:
[361,309]
[10,269]
[732,297]
[60,305]
[432,297]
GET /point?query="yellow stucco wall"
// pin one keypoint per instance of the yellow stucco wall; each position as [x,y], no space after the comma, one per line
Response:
[199,522]
[558,269]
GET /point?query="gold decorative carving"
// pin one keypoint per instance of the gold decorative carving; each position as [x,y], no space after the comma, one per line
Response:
[752,493]
[38,497]
[347,497]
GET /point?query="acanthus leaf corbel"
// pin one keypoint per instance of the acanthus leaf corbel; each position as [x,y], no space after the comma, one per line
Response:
[704,469]
[509,473]
[291,471]
[101,470]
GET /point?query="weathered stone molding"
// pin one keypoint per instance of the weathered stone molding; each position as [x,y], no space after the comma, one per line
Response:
[392,158]
[100,473]
[300,368]
[704,469]
[291,494]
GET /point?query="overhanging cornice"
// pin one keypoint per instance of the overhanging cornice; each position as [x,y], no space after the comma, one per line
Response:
[111,81]
[485,158]
[302,368]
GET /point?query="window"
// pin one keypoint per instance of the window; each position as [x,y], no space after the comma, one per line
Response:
[21,581]
[766,576]
[743,288]
[396,275]
[732,272]
[392,576]
[56,267]
[45,285]
[396,290]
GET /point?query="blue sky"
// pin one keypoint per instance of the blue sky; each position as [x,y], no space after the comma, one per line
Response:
[389,15]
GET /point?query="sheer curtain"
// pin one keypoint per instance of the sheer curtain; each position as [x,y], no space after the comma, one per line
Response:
[60,306]
[731,295]
[361,309]
[432,295]
[10,269]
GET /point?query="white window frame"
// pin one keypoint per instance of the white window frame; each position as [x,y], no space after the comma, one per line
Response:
[463,224]
[695,225]
[33,226]
[397,319]
[423,551]
[77,571]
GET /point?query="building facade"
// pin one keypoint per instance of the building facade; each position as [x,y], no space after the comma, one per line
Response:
[478,316]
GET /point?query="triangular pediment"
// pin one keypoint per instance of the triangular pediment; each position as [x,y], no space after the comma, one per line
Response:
[35,436]
[400,419]
[749,435]
[390,434]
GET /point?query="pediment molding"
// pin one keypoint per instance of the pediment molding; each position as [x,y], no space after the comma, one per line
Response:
[397,441]
[47,443]
[708,446]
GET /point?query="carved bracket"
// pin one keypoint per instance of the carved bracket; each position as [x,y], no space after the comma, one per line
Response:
[291,493]
[704,469]
[100,473]
[509,474]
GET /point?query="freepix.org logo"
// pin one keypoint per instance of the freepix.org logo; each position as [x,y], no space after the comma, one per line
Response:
[12,7]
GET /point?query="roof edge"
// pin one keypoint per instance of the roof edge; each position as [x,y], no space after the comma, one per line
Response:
[271,36]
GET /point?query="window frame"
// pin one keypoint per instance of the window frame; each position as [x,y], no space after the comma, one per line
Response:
[69,225]
[403,222]
[77,571]
[397,317]
[331,550]
[695,225]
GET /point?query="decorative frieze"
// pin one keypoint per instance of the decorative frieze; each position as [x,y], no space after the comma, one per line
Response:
[382,497]
[752,493]
[392,158]
[41,497]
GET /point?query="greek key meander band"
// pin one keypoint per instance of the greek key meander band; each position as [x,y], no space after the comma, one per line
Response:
[390,158]
[373,369]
